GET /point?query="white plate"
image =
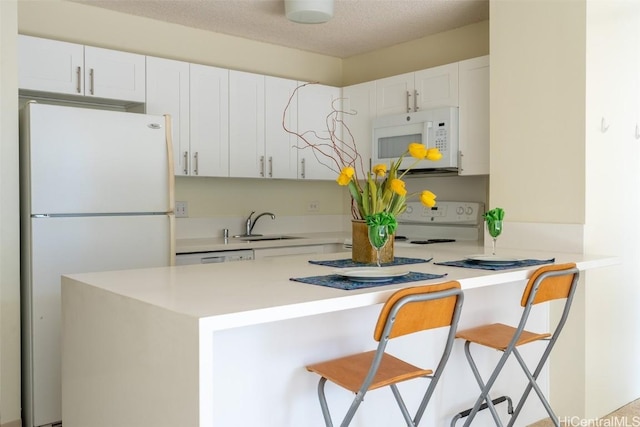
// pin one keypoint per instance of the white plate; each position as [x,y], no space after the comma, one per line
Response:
[370,274]
[492,259]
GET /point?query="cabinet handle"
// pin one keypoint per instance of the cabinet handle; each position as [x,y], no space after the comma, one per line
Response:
[302,172]
[415,100]
[195,163]
[79,75]
[270,167]
[408,106]
[262,166]
[185,159]
[91,82]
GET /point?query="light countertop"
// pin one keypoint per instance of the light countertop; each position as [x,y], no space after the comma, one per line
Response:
[232,294]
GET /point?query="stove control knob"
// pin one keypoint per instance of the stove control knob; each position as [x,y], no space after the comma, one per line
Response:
[469,210]
[459,210]
[408,210]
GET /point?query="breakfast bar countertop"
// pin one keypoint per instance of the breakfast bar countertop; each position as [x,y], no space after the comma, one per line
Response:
[196,338]
[236,294]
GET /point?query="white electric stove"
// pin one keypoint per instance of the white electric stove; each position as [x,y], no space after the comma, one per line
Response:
[445,222]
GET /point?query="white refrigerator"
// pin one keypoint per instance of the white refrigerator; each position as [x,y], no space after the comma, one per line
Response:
[96,195]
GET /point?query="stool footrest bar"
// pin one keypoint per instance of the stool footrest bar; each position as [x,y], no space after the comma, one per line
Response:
[484,406]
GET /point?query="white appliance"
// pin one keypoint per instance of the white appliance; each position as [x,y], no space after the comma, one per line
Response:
[447,221]
[435,128]
[96,195]
[214,257]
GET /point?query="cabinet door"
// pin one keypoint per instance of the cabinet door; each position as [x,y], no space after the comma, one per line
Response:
[50,66]
[395,94]
[437,87]
[112,74]
[168,93]
[280,152]
[359,105]
[315,106]
[209,120]
[246,125]
[474,116]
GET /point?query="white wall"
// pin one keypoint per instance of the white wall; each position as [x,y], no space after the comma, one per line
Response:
[612,201]
[9,221]
[563,66]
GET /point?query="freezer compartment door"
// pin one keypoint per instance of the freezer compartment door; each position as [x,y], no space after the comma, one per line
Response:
[95,161]
[79,245]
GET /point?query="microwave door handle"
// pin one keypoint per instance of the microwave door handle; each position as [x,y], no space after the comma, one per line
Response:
[428,134]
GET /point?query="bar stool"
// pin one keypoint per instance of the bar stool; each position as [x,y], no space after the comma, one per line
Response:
[547,283]
[407,311]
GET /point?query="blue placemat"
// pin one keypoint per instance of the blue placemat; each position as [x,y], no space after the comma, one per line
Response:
[348,262]
[517,264]
[339,282]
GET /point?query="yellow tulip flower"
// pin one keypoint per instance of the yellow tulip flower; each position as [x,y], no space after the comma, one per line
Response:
[380,169]
[345,175]
[433,154]
[397,186]
[417,150]
[428,198]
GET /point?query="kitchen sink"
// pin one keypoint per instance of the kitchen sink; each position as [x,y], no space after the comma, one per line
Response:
[263,238]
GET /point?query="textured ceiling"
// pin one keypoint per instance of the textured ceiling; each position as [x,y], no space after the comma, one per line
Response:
[358,26]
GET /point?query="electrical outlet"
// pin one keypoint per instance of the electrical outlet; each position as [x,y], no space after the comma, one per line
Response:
[313,206]
[181,210]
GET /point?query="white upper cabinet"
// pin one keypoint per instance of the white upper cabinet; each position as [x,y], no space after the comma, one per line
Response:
[246,129]
[318,108]
[168,93]
[394,95]
[474,116]
[114,75]
[70,69]
[259,147]
[410,92]
[436,87]
[281,156]
[50,66]
[209,120]
[196,97]
[359,105]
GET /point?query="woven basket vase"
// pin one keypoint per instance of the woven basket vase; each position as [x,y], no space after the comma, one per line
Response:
[361,249]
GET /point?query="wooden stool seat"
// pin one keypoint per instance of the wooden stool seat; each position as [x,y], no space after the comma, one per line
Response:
[407,311]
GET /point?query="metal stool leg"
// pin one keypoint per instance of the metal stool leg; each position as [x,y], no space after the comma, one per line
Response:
[484,388]
[533,384]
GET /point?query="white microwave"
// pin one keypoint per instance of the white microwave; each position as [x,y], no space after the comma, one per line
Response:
[435,128]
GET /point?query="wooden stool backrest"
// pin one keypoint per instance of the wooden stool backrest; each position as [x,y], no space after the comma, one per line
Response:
[550,288]
[419,315]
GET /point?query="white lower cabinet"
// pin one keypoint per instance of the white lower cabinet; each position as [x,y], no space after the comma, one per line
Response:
[291,250]
[319,110]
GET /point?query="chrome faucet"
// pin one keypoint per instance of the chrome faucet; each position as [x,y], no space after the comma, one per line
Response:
[252,223]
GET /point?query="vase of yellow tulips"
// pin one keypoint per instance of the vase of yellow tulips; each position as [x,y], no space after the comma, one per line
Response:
[380,199]
[377,200]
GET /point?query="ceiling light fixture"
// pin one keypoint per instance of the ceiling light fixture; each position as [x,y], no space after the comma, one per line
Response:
[308,11]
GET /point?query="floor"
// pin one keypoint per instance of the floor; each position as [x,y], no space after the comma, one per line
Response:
[628,415]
